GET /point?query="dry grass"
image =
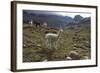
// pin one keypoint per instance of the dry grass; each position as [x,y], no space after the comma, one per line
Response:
[35,50]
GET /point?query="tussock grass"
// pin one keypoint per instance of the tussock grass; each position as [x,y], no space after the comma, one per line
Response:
[35,50]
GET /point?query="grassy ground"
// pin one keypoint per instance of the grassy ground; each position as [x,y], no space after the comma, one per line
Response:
[72,39]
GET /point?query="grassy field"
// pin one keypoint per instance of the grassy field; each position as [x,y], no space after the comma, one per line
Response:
[71,39]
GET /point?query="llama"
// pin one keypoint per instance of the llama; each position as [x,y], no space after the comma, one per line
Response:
[37,24]
[44,25]
[52,39]
[73,55]
[31,23]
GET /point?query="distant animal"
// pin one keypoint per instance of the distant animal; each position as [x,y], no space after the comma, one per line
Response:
[44,25]
[52,38]
[31,23]
[37,24]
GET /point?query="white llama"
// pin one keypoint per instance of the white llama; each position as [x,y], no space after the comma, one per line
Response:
[44,24]
[31,23]
[52,39]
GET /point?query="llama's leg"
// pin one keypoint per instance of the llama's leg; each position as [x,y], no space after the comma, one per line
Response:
[50,43]
[53,44]
[47,43]
[56,45]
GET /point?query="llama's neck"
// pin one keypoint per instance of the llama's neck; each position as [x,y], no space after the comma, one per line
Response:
[59,32]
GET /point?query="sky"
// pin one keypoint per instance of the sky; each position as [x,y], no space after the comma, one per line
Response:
[64,13]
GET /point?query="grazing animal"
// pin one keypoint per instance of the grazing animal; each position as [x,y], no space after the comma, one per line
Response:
[52,39]
[31,23]
[44,25]
[37,24]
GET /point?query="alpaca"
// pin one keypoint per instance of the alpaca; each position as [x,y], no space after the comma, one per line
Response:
[52,39]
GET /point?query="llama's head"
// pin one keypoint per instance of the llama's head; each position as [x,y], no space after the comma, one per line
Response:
[60,31]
